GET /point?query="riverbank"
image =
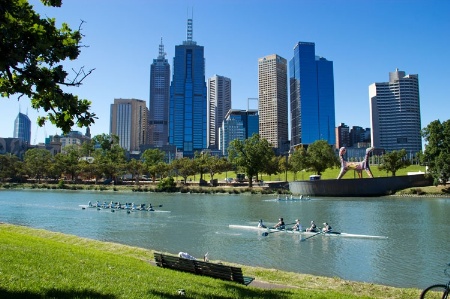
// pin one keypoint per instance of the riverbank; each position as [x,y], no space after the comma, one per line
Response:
[429,191]
[41,264]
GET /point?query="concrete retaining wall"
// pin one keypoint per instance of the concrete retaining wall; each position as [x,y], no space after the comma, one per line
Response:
[358,187]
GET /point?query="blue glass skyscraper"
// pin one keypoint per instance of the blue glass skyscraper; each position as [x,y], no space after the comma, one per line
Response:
[311,82]
[22,128]
[187,107]
[159,100]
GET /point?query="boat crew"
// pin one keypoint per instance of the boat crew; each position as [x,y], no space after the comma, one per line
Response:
[280,224]
[261,224]
[312,228]
[326,227]
[297,226]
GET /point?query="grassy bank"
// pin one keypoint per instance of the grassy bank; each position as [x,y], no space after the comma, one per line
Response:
[41,264]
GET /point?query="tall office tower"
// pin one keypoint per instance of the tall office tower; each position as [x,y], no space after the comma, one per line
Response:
[238,124]
[395,113]
[22,128]
[159,100]
[129,121]
[187,107]
[311,96]
[342,136]
[273,101]
[219,103]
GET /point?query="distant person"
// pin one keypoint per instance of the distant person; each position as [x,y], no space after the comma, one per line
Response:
[280,224]
[326,227]
[297,226]
[261,224]
[312,228]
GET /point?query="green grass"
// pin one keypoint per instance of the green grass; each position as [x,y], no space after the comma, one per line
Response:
[41,264]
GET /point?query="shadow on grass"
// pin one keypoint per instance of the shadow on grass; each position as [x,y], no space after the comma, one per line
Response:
[235,292]
[58,294]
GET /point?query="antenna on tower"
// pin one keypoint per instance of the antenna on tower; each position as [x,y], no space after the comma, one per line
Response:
[161,50]
[190,30]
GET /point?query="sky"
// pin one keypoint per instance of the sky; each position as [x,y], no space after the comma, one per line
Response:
[365,40]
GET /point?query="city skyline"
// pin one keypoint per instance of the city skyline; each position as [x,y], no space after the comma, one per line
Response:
[362,40]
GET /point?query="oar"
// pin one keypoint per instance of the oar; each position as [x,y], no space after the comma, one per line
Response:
[321,232]
[265,234]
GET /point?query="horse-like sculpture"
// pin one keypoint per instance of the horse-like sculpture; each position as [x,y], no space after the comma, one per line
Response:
[357,166]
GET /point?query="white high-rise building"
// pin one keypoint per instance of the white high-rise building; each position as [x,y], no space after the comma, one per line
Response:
[273,101]
[219,103]
[395,113]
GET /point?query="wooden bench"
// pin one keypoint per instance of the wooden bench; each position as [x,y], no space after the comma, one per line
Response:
[202,268]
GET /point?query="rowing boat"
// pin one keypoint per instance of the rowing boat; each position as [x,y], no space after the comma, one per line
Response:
[128,209]
[306,234]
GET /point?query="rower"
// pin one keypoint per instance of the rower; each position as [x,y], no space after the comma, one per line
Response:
[280,224]
[297,226]
[312,228]
[261,224]
[326,227]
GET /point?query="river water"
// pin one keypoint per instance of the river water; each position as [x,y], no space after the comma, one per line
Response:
[414,255]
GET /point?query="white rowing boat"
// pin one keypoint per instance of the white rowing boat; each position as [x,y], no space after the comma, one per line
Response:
[304,233]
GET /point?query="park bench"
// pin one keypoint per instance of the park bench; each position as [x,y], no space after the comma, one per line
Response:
[219,271]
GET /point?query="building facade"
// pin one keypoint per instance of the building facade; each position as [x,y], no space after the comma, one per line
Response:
[395,113]
[129,121]
[238,124]
[22,128]
[219,103]
[342,136]
[187,107]
[273,101]
[159,100]
[312,107]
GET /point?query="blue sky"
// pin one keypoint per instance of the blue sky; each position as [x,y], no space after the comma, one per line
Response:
[365,40]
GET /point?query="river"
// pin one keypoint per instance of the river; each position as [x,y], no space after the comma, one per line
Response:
[413,255]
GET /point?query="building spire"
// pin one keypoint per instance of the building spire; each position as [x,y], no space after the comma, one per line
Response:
[190,30]
[162,54]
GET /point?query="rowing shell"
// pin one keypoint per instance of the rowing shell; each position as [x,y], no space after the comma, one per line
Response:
[306,234]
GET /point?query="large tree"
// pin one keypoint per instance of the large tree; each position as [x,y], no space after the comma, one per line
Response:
[320,156]
[32,51]
[393,161]
[251,155]
[437,151]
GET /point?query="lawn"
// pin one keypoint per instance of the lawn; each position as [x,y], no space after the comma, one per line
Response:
[41,264]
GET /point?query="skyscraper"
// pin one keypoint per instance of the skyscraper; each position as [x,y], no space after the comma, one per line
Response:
[22,128]
[238,124]
[219,103]
[311,96]
[129,121]
[187,108]
[395,113]
[273,101]
[159,100]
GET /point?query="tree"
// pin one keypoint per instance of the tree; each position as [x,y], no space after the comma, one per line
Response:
[68,160]
[151,158]
[250,155]
[393,161]
[320,156]
[184,167]
[437,151]
[37,162]
[135,167]
[298,160]
[9,167]
[32,52]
